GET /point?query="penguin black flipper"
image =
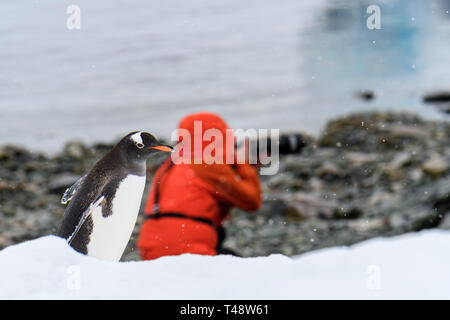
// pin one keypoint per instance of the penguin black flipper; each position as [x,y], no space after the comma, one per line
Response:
[97,205]
[70,192]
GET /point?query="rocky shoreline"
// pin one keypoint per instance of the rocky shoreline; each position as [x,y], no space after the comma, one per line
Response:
[367,175]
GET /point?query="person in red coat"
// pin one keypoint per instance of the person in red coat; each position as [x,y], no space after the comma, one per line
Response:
[188,202]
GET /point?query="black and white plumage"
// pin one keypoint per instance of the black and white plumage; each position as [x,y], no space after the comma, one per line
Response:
[103,205]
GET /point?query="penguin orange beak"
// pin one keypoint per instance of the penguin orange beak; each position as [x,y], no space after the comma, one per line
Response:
[163,148]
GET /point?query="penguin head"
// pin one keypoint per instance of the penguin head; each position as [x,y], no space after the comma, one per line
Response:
[139,145]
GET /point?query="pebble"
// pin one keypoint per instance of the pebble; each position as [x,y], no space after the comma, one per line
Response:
[436,165]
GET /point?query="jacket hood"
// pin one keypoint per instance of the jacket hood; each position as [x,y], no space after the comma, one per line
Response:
[197,124]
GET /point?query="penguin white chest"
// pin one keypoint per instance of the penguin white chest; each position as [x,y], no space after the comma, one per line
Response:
[111,234]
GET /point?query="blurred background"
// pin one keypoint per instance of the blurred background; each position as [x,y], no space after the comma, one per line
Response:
[142,65]
[67,95]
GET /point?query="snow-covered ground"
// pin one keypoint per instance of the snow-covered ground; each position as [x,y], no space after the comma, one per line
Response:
[409,266]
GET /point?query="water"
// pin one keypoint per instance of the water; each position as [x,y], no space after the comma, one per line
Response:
[142,65]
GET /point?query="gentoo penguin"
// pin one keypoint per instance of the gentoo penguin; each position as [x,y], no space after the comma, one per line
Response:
[104,204]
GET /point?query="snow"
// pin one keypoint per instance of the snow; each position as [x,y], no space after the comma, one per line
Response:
[411,266]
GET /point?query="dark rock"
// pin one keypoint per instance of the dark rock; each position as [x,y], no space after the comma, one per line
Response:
[437,97]
[352,213]
[366,95]
[375,132]
[440,99]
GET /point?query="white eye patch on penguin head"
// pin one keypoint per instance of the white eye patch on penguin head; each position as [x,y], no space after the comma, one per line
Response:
[136,137]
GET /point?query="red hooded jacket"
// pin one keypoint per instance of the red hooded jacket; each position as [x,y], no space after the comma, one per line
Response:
[201,191]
